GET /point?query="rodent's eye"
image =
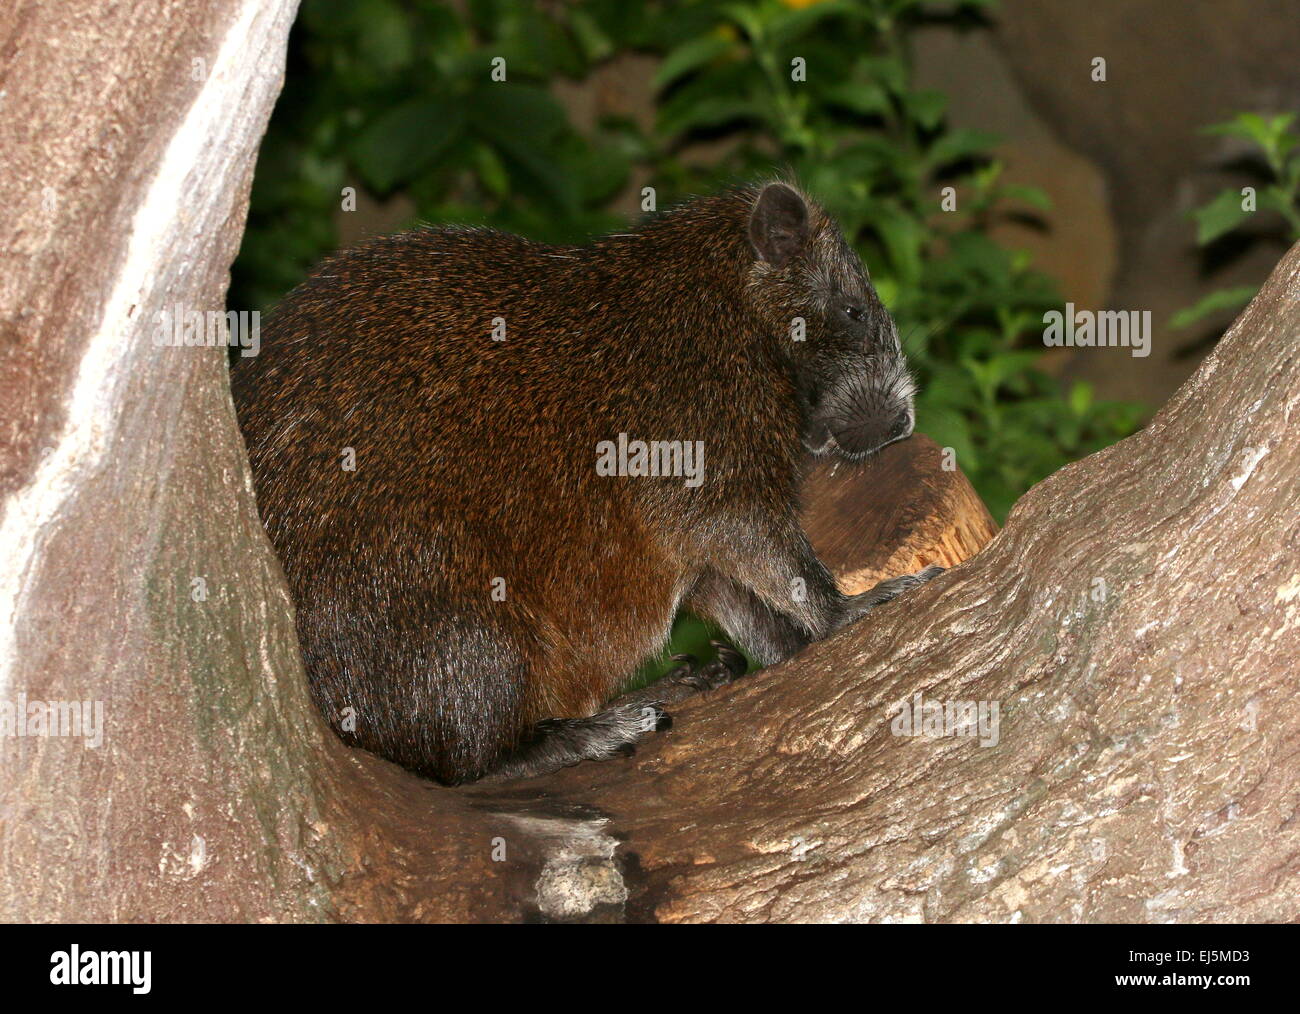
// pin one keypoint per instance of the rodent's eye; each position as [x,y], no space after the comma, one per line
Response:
[854,312]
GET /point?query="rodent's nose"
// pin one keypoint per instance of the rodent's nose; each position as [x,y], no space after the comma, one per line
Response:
[868,436]
[902,427]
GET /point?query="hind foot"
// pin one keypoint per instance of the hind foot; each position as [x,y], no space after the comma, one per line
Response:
[561,742]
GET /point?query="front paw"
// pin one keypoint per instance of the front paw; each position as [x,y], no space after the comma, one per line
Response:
[895,586]
[922,576]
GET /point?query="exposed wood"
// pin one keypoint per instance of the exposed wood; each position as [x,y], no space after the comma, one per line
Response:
[896,513]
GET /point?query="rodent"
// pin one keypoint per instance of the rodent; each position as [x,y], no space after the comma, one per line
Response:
[476,590]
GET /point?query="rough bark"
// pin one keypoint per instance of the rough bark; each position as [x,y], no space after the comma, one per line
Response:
[1145,768]
[129,136]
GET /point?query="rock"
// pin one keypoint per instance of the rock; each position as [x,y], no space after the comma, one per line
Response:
[1171,70]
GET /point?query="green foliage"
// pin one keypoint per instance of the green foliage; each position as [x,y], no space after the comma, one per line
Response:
[397,98]
[1275,163]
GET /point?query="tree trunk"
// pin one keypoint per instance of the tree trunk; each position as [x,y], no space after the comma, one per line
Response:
[1137,622]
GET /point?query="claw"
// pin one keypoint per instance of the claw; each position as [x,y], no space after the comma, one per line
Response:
[731,658]
[727,667]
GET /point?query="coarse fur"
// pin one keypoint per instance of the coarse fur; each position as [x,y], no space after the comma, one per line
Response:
[476,461]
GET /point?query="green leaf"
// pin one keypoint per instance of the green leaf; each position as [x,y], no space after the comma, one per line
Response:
[960,143]
[992,373]
[886,290]
[527,113]
[890,71]
[404,141]
[599,171]
[540,166]
[681,117]
[750,21]
[865,99]
[595,44]
[1275,198]
[951,389]
[926,107]
[689,56]
[528,126]
[384,38]
[1268,132]
[1221,215]
[491,173]
[1218,300]
[903,237]
[1023,194]
[791,24]
[948,428]
[1080,398]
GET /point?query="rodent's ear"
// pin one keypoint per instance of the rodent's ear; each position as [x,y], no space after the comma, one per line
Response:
[778,226]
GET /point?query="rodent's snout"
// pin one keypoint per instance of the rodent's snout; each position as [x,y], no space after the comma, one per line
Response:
[862,413]
[859,439]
